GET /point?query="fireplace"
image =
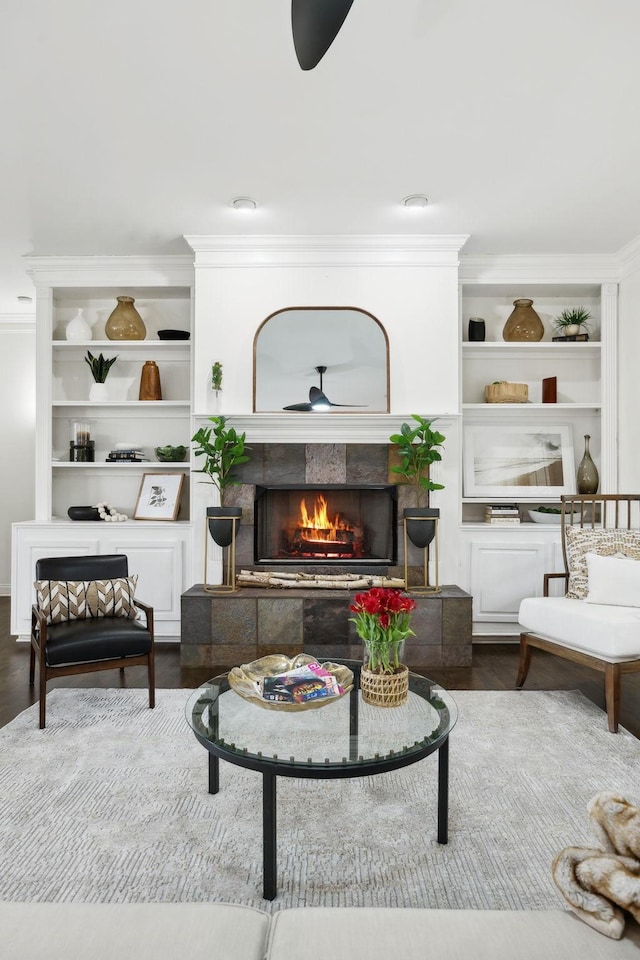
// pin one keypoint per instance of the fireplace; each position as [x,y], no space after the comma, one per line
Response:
[326,524]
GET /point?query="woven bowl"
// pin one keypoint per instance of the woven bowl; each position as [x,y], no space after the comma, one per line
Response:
[505,392]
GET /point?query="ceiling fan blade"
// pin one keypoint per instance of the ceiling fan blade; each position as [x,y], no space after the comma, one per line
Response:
[302,407]
[316,24]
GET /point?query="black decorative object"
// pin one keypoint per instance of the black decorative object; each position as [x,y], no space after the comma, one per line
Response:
[315,25]
[173,334]
[476,329]
[83,513]
[420,529]
[221,524]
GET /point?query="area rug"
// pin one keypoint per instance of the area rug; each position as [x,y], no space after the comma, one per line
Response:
[110,803]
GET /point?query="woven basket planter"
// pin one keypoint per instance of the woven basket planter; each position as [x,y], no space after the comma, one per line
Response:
[384,689]
[505,392]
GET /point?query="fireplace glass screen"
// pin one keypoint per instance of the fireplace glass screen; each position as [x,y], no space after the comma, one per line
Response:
[326,524]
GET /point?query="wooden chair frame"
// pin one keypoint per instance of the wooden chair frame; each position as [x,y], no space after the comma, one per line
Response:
[613,511]
[39,636]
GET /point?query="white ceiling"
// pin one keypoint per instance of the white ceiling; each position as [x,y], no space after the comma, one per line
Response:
[131,123]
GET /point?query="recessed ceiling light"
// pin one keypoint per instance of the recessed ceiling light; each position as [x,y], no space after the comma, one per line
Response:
[25,299]
[415,200]
[243,203]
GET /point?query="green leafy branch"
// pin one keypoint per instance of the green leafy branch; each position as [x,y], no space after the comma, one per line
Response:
[223,450]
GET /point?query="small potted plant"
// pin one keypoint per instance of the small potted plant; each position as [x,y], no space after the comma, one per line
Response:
[382,617]
[571,320]
[223,449]
[418,448]
[100,367]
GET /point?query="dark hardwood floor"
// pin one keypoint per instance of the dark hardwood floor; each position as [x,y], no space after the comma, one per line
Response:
[494,668]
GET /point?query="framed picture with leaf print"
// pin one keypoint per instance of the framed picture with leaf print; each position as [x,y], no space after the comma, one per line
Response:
[159,496]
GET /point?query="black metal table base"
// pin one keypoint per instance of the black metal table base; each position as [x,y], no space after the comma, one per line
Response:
[269,814]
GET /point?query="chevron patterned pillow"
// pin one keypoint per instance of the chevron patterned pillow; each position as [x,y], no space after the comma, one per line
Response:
[81,599]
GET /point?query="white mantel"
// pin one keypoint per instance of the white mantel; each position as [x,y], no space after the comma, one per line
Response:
[325,428]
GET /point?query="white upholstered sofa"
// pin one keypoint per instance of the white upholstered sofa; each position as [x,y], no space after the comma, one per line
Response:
[217,931]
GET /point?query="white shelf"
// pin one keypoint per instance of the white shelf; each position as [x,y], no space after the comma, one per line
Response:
[121,344]
[549,408]
[526,351]
[121,465]
[146,404]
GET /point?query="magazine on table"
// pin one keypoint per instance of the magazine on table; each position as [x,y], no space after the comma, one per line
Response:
[309,682]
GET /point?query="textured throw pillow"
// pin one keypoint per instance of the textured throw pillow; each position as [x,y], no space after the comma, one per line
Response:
[613,580]
[81,599]
[605,543]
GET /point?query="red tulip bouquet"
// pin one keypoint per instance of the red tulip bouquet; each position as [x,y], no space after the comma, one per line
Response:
[382,617]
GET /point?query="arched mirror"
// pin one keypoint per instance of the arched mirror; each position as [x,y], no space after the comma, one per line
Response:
[328,359]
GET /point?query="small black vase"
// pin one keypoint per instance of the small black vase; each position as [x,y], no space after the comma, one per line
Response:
[420,532]
[222,530]
[476,329]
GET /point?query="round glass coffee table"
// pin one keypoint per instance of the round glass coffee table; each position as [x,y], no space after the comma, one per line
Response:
[344,738]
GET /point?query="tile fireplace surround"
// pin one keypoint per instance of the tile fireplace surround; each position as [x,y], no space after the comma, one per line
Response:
[224,630]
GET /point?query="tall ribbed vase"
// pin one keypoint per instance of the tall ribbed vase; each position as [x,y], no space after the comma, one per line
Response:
[587,478]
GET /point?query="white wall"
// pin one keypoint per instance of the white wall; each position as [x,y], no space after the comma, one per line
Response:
[17,410]
[409,284]
[629,383]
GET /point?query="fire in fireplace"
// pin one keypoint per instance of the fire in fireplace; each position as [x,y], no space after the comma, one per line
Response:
[329,524]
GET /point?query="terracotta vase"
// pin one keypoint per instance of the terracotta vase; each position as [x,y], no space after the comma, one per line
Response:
[587,479]
[150,388]
[523,323]
[125,323]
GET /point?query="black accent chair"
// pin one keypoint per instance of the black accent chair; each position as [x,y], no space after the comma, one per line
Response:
[84,646]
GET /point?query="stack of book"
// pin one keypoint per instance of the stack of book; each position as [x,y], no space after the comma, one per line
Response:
[506,513]
[575,337]
[128,456]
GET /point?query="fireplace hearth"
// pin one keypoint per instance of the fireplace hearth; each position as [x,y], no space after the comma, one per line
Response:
[327,524]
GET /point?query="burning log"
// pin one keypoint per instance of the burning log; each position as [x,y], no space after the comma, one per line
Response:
[317,581]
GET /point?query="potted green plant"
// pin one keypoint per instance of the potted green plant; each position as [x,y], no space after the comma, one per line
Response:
[417,447]
[223,449]
[100,367]
[569,322]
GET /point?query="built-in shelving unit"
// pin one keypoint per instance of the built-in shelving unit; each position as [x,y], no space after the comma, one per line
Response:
[504,563]
[158,551]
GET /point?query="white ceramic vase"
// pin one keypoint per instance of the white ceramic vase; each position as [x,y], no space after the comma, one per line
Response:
[99,392]
[78,330]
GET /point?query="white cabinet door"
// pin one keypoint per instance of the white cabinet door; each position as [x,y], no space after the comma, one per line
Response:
[163,564]
[503,574]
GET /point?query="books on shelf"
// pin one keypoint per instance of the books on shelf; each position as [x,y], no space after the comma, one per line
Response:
[506,513]
[127,456]
[576,336]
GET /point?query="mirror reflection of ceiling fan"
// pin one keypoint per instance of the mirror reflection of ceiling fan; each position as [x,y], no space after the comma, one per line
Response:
[315,25]
[318,400]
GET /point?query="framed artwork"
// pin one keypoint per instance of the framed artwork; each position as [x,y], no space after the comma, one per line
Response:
[518,461]
[159,496]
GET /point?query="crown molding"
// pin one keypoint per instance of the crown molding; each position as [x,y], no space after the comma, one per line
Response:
[547,268]
[20,322]
[629,258]
[325,250]
[90,271]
